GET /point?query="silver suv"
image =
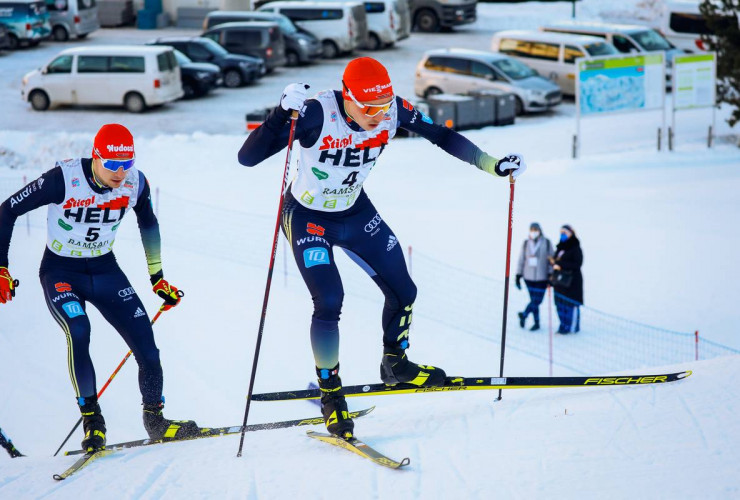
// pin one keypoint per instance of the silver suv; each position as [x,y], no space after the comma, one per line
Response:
[462,71]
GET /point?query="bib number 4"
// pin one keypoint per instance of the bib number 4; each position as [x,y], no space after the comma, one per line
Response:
[351,179]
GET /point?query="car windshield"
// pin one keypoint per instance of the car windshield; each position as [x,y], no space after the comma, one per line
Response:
[513,69]
[286,25]
[182,58]
[651,40]
[600,49]
[213,47]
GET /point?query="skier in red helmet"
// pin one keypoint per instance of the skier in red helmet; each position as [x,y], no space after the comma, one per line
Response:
[341,135]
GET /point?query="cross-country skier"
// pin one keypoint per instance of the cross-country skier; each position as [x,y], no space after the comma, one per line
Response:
[87,199]
[341,134]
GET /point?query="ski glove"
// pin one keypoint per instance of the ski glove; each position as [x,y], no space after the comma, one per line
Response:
[170,294]
[294,96]
[7,286]
[518,282]
[511,164]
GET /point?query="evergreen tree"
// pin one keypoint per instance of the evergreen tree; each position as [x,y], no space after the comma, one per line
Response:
[722,20]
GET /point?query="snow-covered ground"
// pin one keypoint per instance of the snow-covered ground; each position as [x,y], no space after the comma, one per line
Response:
[659,236]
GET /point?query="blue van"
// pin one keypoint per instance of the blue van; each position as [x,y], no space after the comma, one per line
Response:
[27,21]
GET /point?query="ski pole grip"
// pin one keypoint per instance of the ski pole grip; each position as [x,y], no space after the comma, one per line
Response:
[16,283]
[180,293]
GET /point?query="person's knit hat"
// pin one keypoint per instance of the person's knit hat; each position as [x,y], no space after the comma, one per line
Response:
[535,226]
[568,228]
[367,79]
[113,142]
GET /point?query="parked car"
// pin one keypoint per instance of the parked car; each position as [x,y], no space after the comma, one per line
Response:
[432,15]
[132,76]
[381,24]
[237,69]
[76,18]
[552,55]
[4,37]
[301,46]
[626,38]
[461,71]
[342,27]
[682,24]
[197,78]
[256,39]
[27,22]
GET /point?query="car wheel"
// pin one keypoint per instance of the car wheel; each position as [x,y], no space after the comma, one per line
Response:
[427,21]
[518,106]
[13,42]
[330,49]
[134,102]
[431,91]
[188,89]
[232,79]
[60,34]
[373,42]
[39,100]
[293,59]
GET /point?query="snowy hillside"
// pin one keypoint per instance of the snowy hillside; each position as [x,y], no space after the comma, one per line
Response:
[671,441]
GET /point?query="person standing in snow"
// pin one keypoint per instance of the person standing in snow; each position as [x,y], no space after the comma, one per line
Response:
[87,199]
[568,280]
[341,134]
[534,266]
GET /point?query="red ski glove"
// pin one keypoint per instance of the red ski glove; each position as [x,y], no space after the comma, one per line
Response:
[170,294]
[7,286]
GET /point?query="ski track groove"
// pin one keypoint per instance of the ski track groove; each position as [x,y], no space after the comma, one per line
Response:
[6,481]
[149,481]
[614,439]
[697,425]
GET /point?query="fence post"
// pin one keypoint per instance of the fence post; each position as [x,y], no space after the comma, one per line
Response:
[696,345]
[549,321]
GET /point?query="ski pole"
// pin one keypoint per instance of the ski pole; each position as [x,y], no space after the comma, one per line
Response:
[293,120]
[180,293]
[506,279]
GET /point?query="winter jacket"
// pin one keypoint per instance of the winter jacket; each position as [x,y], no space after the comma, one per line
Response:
[569,257]
[539,250]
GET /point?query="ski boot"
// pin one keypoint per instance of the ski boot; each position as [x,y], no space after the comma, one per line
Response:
[93,424]
[333,404]
[395,368]
[160,428]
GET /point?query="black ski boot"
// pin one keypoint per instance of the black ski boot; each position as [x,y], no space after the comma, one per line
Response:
[395,368]
[535,327]
[93,424]
[160,428]
[333,404]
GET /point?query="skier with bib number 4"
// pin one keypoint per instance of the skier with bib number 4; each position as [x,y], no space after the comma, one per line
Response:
[341,135]
[87,199]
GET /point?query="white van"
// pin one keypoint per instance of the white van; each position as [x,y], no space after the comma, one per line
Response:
[682,24]
[552,55]
[76,18]
[382,18]
[132,76]
[341,27]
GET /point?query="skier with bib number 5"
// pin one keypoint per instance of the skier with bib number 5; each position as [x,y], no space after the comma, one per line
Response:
[87,199]
[341,135]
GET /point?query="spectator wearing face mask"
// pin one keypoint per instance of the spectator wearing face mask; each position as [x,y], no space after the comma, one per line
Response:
[534,266]
[568,280]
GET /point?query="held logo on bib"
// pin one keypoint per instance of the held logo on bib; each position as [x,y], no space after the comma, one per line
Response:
[315,256]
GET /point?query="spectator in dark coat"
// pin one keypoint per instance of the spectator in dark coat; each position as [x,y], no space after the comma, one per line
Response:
[568,280]
[534,266]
